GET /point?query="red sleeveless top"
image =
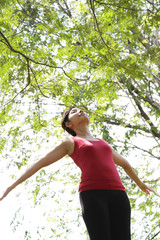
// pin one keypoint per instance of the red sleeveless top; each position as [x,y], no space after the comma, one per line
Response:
[98,170]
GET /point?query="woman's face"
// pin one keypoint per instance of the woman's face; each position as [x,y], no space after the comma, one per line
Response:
[77,116]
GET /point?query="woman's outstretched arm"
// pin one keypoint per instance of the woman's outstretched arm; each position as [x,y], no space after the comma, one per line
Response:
[57,153]
[119,160]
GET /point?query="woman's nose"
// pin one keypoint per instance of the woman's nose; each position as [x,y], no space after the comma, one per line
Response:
[80,111]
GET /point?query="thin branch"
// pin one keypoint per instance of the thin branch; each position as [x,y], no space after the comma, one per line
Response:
[141,38]
[29,59]
[97,25]
[133,101]
[141,149]
[65,10]
[119,6]
[155,76]
[71,57]
[146,98]
[144,115]
[22,54]
[119,122]
[38,84]
[155,235]
[142,112]
[68,75]
[23,89]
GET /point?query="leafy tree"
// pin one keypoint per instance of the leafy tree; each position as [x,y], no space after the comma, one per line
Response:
[102,56]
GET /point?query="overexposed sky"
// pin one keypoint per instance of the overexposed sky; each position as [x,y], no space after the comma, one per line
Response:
[30,217]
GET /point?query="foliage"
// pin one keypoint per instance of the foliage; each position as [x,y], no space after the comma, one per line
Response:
[100,55]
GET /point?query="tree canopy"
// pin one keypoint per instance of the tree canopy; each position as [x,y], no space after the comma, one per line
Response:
[100,55]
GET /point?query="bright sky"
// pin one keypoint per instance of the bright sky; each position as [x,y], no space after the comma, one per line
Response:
[31,217]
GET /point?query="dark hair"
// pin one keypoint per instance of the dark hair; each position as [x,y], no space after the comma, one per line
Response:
[65,119]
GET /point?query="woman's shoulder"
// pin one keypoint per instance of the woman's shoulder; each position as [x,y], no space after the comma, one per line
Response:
[69,143]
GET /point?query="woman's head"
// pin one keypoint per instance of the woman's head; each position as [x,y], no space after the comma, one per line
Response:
[72,119]
[65,119]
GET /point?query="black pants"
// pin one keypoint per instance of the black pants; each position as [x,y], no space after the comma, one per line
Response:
[106,214]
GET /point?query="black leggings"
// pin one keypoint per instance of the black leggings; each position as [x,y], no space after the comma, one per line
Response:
[106,214]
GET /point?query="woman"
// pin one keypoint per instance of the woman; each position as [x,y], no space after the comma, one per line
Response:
[104,202]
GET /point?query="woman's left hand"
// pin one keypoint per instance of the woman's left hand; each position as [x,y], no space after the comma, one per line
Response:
[145,188]
[5,193]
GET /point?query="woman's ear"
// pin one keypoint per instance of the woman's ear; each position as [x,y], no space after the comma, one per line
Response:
[68,124]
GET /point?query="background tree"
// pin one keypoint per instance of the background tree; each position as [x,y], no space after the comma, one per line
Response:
[103,56]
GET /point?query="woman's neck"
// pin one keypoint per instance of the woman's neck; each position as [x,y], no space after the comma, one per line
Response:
[84,133]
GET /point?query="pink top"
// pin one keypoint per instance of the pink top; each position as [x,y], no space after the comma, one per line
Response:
[98,170]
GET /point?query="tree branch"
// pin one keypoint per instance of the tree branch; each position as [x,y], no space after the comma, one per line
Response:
[141,38]
[27,84]
[119,6]
[132,98]
[156,77]
[144,115]
[65,10]
[119,122]
[146,98]
[38,84]
[97,25]
[29,59]
[155,235]
[143,150]
[23,55]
